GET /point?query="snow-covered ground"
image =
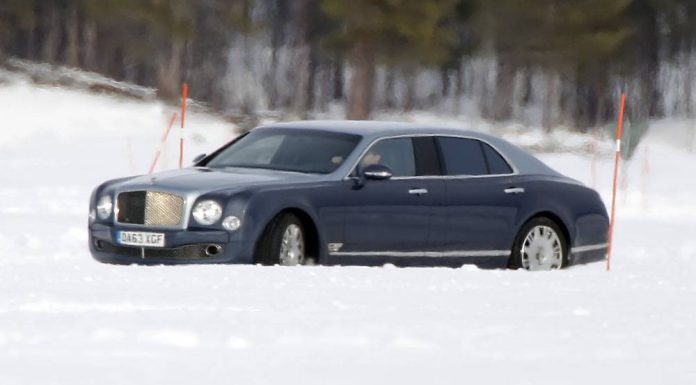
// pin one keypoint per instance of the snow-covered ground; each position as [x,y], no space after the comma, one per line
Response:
[65,319]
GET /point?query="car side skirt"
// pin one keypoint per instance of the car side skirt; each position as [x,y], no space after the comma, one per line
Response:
[588,253]
[481,258]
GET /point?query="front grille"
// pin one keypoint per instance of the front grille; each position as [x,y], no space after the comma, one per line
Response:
[162,209]
[150,208]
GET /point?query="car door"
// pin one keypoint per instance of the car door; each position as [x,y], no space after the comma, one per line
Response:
[392,218]
[481,202]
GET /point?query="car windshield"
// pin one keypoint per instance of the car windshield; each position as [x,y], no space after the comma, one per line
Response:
[315,152]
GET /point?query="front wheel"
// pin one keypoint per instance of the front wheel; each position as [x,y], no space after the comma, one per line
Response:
[283,242]
[540,245]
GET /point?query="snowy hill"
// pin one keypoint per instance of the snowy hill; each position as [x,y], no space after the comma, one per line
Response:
[65,319]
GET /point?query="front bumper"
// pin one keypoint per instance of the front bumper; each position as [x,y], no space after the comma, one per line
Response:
[181,247]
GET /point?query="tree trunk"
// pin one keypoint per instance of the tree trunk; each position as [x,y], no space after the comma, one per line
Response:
[89,50]
[389,79]
[445,82]
[528,92]
[504,89]
[280,15]
[459,82]
[338,79]
[169,71]
[312,67]
[688,68]
[52,34]
[550,101]
[72,52]
[272,79]
[410,97]
[310,18]
[361,81]
[651,50]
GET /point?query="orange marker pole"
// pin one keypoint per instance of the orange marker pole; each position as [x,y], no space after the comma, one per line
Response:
[617,161]
[184,97]
[162,142]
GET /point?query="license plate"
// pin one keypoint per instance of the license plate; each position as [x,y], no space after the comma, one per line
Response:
[135,238]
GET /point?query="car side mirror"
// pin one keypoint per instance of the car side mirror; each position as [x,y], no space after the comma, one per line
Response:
[377,172]
[199,158]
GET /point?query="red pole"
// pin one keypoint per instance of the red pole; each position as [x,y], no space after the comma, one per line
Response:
[617,161]
[162,141]
[184,97]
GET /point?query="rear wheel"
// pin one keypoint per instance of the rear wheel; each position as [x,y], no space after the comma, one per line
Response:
[540,245]
[282,243]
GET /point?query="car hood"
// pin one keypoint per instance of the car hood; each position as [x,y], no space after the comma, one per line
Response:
[203,180]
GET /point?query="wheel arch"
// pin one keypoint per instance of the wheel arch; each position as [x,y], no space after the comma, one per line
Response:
[556,219]
[513,263]
[312,235]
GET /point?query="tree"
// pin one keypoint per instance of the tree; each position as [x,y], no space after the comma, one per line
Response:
[407,32]
[577,40]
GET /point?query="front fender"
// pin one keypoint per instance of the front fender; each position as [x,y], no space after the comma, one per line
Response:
[258,208]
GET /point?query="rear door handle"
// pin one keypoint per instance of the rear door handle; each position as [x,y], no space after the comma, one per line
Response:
[514,190]
[418,191]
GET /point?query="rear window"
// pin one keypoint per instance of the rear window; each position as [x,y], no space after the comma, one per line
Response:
[463,156]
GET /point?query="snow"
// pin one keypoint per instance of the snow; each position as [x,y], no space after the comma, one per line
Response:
[66,319]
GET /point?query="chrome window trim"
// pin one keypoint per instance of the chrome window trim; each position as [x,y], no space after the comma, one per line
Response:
[514,168]
[189,198]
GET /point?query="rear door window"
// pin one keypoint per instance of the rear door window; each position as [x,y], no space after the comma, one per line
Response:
[496,163]
[427,158]
[463,156]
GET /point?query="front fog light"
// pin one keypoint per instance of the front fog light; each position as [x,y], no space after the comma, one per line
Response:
[104,207]
[207,212]
[231,223]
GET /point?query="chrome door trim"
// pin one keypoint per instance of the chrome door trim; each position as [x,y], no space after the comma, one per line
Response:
[430,254]
[586,248]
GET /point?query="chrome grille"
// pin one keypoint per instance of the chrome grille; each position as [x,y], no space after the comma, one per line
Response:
[162,209]
[150,208]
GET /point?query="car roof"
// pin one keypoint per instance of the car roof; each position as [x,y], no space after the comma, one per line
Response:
[368,127]
[520,160]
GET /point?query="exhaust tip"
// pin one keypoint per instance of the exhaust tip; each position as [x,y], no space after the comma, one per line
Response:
[213,250]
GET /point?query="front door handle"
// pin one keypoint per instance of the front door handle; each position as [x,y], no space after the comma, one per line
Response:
[418,191]
[514,190]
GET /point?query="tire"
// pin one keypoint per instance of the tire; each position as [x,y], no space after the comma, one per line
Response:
[283,242]
[540,245]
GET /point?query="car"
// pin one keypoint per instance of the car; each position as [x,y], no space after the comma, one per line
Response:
[353,193]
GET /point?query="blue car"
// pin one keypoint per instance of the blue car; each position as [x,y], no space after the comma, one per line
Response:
[353,193]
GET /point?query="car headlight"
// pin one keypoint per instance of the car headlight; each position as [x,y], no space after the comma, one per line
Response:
[207,212]
[231,223]
[105,207]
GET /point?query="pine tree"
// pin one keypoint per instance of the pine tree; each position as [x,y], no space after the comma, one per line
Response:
[576,39]
[408,32]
